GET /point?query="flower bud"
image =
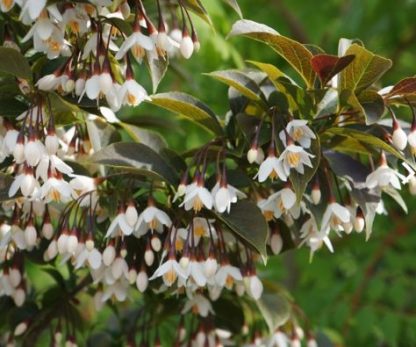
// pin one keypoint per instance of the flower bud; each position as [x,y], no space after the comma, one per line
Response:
[20,329]
[72,243]
[186,46]
[19,297]
[359,222]
[62,243]
[132,275]
[276,242]
[184,262]
[52,250]
[131,215]
[412,185]
[142,281]
[156,243]
[255,155]
[47,230]
[109,255]
[399,137]
[149,257]
[15,277]
[30,235]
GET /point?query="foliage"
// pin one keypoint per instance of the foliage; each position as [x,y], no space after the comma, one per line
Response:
[105,199]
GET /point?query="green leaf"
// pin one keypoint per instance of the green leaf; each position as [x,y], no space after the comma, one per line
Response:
[300,181]
[396,196]
[274,306]
[63,111]
[373,105]
[5,183]
[234,6]
[247,221]
[364,138]
[199,9]
[240,81]
[14,63]
[101,133]
[292,51]
[149,138]
[272,71]
[364,70]
[189,107]
[137,158]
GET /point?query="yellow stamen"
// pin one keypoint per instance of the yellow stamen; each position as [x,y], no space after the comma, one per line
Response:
[153,224]
[197,204]
[138,51]
[273,174]
[7,4]
[179,244]
[229,282]
[55,195]
[170,277]
[293,159]
[131,99]
[74,25]
[199,230]
[268,215]
[297,134]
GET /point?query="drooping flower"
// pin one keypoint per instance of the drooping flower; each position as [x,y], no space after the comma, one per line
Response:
[295,157]
[299,131]
[335,216]
[197,196]
[224,195]
[272,167]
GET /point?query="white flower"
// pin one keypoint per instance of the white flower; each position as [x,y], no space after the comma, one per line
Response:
[227,274]
[34,149]
[48,82]
[299,131]
[279,339]
[6,5]
[198,304]
[151,218]
[272,167]
[31,10]
[98,84]
[335,216]
[26,182]
[56,189]
[254,286]
[197,196]
[295,157]
[383,177]
[119,224]
[194,270]
[138,43]
[313,237]
[132,93]
[169,271]
[281,202]
[224,195]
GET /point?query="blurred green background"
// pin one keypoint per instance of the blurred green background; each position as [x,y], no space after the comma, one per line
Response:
[363,295]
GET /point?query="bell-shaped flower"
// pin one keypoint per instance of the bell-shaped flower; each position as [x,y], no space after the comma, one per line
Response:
[138,43]
[170,270]
[151,218]
[227,275]
[314,237]
[197,196]
[295,157]
[56,189]
[299,131]
[271,167]
[198,304]
[384,176]
[281,202]
[132,93]
[335,216]
[119,224]
[224,195]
